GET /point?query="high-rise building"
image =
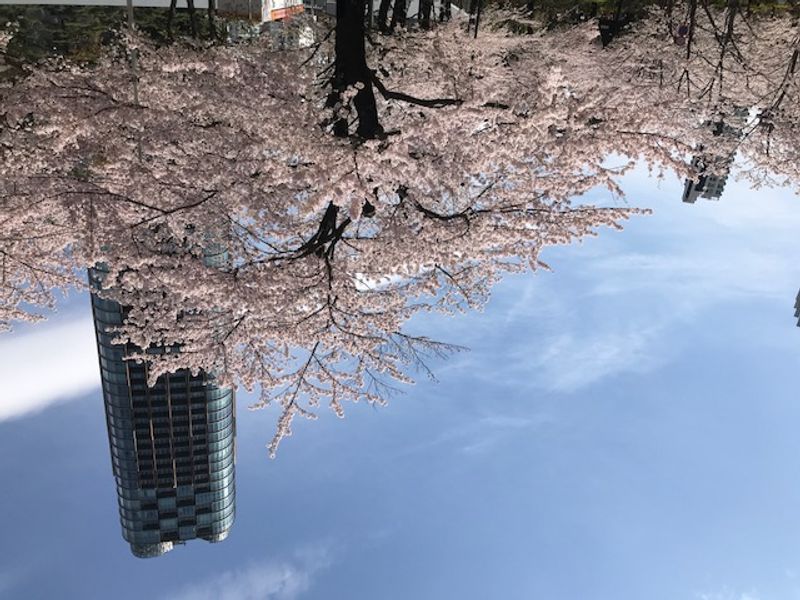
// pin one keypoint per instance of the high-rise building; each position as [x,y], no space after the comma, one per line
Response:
[172,445]
[713,165]
[706,185]
[797,308]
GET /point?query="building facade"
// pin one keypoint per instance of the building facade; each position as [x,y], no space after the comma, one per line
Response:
[713,165]
[706,185]
[253,10]
[172,445]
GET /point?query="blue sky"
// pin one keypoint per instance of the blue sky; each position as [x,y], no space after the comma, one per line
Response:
[623,428]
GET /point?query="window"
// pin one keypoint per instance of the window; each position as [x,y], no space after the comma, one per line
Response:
[166,503]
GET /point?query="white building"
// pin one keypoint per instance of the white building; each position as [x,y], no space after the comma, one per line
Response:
[253,10]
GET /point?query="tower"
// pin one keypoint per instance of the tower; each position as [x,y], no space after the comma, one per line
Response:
[172,445]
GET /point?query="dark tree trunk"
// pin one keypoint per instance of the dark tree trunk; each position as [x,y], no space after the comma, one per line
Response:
[478,16]
[383,15]
[398,14]
[473,9]
[692,23]
[668,6]
[212,24]
[192,17]
[425,9]
[350,69]
[444,11]
[618,13]
[171,17]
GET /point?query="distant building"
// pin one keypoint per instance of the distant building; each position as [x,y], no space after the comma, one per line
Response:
[706,185]
[119,3]
[797,308]
[262,10]
[712,166]
[254,10]
[172,445]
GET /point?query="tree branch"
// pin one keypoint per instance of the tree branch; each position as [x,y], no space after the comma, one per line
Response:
[428,102]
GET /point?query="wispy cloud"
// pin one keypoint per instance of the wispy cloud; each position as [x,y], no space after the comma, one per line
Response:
[9,578]
[45,365]
[718,273]
[486,433]
[478,435]
[633,295]
[569,361]
[728,594]
[265,580]
[6,582]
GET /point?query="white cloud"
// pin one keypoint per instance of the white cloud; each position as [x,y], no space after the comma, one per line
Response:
[10,577]
[257,582]
[728,594]
[6,582]
[639,292]
[47,364]
[718,272]
[499,421]
[569,362]
[266,580]
[773,209]
[477,435]
[486,433]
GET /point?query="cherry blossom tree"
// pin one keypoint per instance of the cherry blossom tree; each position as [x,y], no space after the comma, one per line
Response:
[278,216]
[728,70]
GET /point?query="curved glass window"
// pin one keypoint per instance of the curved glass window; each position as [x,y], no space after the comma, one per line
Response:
[220,425]
[222,525]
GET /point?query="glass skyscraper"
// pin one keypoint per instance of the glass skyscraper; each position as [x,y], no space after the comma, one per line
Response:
[172,445]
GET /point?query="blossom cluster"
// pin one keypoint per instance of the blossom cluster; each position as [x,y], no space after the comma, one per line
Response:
[329,245]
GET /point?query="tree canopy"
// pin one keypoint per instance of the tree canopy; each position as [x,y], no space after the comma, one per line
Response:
[348,185]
